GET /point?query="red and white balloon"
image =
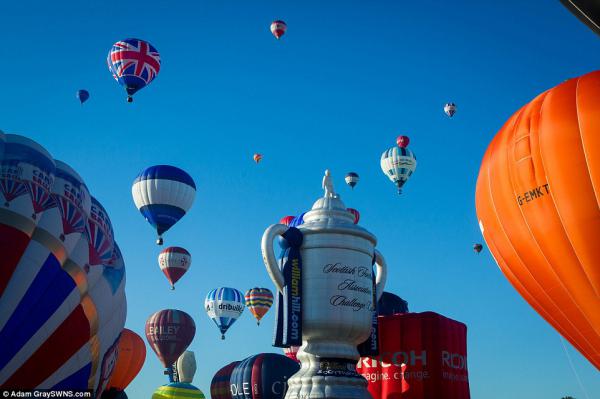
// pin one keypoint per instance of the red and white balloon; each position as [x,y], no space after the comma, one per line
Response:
[174,262]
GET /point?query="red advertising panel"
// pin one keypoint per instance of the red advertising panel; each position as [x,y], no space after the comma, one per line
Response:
[421,356]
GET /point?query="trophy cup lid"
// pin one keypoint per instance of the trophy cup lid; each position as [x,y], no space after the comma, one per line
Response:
[330,213]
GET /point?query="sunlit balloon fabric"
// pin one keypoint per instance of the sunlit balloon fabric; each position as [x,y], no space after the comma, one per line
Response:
[259,301]
[174,262]
[163,194]
[169,332]
[134,63]
[132,354]
[60,315]
[450,109]
[278,28]
[398,164]
[537,204]
[352,179]
[178,390]
[224,305]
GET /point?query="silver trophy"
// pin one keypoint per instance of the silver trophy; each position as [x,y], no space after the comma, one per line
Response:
[337,297]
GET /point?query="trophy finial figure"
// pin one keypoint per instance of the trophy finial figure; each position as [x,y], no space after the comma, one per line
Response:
[328,185]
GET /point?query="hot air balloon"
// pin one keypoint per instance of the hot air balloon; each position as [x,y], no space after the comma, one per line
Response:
[402,141]
[537,205]
[169,332]
[278,28]
[259,301]
[163,194]
[257,157]
[450,109]
[291,353]
[224,305]
[355,213]
[266,373]
[186,367]
[219,386]
[477,248]
[82,95]
[587,11]
[390,304]
[132,354]
[174,262]
[352,179]
[50,309]
[134,63]
[286,220]
[398,164]
[178,390]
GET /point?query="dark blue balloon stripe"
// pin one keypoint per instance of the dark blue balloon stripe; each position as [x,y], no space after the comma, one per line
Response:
[165,172]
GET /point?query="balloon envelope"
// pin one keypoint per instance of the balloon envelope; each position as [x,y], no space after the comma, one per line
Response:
[186,367]
[402,141]
[224,305]
[355,213]
[258,301]
[538,209]
[169,332]
[82,95]
[174,262]
[450,109]
[390,304]
[262,376]
[178,390]
[398,164]
[352,179]
[132,354]
[278,28]
[220,386]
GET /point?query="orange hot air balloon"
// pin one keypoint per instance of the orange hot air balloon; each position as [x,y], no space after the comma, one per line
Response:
[132,353]
[537,200]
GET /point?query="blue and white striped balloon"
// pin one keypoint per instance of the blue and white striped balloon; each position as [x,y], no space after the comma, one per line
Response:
[163,194]
[224,305]
[398,164]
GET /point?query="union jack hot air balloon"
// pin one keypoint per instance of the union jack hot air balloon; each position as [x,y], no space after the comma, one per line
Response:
[134,63]
[450,109]
[224,305]
[278,28]
[174,262]
[163,194]
[259,301]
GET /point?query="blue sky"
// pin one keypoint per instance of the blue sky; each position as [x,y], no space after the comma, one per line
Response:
[347,78]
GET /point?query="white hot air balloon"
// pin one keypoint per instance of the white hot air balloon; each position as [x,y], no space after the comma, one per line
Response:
[450,109]
[398,164]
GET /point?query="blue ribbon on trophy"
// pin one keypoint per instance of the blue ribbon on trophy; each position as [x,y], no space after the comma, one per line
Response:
[371,346]
[288,316]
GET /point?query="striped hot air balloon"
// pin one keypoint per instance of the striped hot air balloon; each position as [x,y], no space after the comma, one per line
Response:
[178,390]
[352,179]
[398,164]
[259,301]
[163,194]
[220,384]
[174,262]
[266,373]
[224,305]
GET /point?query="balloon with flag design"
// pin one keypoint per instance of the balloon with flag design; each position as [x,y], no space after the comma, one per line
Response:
[174,262]
[259,301]
[224,306]
[163,194]
[134,63]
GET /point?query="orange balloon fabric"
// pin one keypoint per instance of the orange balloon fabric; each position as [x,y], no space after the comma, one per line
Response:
[132,353]
[538,205]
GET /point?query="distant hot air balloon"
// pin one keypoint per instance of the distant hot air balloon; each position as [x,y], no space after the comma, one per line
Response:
[50,310]
[352,179]
[291,353]
[134,63]
[178,390]
[186,367]
[224,305]
[220,386]
[174,262]
[450,109]
[477,247]
[537,204]
[278,28]
[132,354]
[402,141]
[169,332]
[259,301]
[266,373]
[82,95]
[163,194]
[286,220]
[257,157]
[398,164]
[355,213]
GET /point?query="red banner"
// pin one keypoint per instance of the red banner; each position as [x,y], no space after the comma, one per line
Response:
[421,356]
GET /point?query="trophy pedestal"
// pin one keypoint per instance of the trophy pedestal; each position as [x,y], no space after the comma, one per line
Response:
[331,374]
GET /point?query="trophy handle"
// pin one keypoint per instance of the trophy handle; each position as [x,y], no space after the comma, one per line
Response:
[381,273]
[266,247]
